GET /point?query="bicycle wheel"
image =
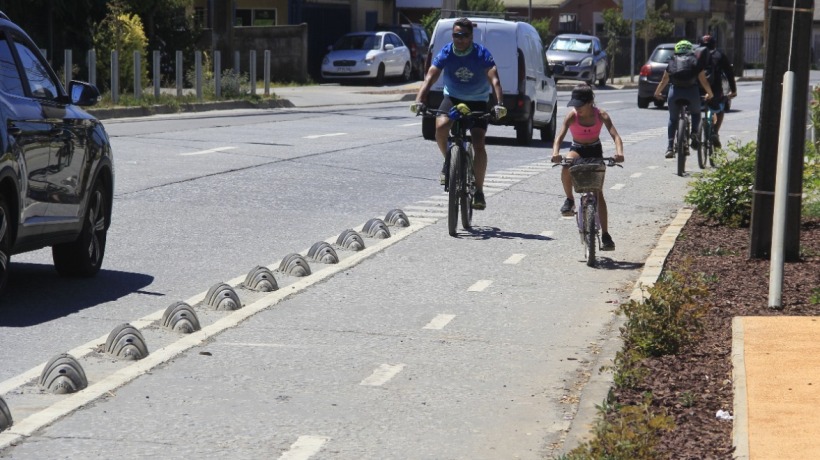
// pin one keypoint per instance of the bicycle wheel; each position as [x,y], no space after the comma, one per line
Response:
[590,232]
[465,195]
[703,135]
[682,143]
[454,187]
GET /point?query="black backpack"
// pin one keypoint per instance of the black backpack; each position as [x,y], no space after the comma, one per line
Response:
[683,70]
[711,64]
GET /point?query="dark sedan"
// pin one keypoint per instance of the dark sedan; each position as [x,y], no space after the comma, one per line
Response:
[651,74]
[56,171]
[582,57]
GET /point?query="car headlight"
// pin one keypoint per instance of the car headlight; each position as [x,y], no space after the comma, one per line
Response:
[585,62]
[368,59]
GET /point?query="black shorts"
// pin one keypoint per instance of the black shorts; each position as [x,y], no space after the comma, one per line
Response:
[478,106]
[588,150]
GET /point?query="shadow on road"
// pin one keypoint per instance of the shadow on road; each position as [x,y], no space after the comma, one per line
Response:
[36,294]
[485,233]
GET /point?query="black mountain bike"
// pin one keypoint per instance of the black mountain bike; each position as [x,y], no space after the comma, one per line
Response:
[682,135]
[706,150]
[460,180]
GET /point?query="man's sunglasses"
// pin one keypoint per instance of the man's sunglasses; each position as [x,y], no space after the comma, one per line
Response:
[461,34]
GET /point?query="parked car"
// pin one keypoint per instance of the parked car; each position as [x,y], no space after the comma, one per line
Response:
[582,56]
[56,169]
[651,74]
[529,88]
[367,56]
[415,38]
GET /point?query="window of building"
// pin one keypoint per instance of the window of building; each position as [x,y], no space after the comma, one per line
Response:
[264,17]
[567,23]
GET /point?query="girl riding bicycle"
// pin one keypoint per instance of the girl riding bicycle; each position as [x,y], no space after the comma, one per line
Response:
[585,121]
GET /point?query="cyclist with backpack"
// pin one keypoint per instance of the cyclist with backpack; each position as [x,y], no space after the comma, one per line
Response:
[684,72]
[716,65]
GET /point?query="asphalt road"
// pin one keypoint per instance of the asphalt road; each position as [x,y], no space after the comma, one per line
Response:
[421,346]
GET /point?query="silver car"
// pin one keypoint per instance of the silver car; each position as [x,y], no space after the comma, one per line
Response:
[582,56]
[367,56]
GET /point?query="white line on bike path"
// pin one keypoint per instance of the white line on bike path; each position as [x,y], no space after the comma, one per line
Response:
[203,152]
[316,136]
[617,186]
[479,285]
[304,448]
[636,175]
[514,259]
[409,124]
[439,321]
[382,375]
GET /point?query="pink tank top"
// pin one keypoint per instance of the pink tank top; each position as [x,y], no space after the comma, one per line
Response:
[586,134]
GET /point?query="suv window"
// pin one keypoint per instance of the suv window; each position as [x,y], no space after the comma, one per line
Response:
[39,80]
[662,54]
[10,81]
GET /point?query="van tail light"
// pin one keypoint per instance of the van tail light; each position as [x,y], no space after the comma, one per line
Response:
[646,70]
[522,73]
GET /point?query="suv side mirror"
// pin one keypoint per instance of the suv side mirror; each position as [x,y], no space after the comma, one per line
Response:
[82,93]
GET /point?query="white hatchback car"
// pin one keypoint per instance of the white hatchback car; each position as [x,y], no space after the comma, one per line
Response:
[367,55]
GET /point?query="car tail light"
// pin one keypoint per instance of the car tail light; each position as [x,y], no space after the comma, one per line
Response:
[646,70]
[522,73]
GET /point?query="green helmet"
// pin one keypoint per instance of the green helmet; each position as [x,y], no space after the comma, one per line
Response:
[683,47]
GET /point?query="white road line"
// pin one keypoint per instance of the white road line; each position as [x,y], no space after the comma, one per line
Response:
[410,124]
[479,285]
[514,259]
[439,321]
[617,186]
[382,375]
[203,152]
[636,175]
[651,167]
[613,102]
[548,233]
[316,136]
[304,448]
[259,345]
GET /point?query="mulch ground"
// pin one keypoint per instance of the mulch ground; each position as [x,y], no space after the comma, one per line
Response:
[693,385]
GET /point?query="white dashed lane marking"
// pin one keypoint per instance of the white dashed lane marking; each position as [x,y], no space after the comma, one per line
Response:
[636,175]
[479,286]
[382,375]
[439,321]
[316,136]
[617,186]
[304,448]
[204,152]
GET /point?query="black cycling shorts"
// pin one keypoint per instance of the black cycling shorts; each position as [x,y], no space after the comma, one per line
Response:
[588,150]
[478,106]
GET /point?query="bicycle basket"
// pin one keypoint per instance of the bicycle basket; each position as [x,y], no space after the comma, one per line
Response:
[587,177]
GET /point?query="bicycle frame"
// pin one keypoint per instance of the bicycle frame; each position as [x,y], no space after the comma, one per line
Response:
[682,135]
[706,149]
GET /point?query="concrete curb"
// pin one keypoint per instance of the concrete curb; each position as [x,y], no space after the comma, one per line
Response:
[597,389]
[123,112]
[740,425]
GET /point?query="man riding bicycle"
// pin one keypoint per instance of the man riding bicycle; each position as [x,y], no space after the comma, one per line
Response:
[685,72]
[469,73]
[717,65]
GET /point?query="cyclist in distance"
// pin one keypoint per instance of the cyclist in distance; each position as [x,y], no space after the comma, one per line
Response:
[469,74]
[585,121]
[684,72]
[717,64]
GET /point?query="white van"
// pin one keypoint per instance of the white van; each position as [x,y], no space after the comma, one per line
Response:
[529,88]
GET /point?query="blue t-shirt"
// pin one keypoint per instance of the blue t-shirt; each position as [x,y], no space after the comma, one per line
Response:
[465,77]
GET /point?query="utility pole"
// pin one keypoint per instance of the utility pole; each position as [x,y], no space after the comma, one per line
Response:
[739,57]
[787,49]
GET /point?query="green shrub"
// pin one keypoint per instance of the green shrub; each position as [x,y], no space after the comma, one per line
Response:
[625,433]
[724,194]
[811,180]
[670,318]
[123,32]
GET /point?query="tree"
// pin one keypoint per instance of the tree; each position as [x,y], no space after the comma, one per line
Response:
[122,31]
[542,26]
[490,6]
[615,27]
[656,24]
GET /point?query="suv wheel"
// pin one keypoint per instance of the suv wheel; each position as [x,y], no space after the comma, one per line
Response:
[83,257]
[5,242]
[405,76]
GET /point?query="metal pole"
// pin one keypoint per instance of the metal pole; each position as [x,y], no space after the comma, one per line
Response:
[267,72]
[68,73]
[137,76]
[157,73]
[115,77]
[92,67]
[781,194]
[252,71]
[217,74]
[198,64]
[179,73]
[632,53]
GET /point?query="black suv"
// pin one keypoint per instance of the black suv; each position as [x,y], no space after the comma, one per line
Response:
[417,41]
[56,170]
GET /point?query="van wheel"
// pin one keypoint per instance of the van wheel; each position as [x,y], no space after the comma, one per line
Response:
[523,131]
[659,104]
[421,73]
[428,128]
[643,102]
[548,131]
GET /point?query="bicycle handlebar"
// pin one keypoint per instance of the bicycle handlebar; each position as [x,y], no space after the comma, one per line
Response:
[609,161]
[428,112]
